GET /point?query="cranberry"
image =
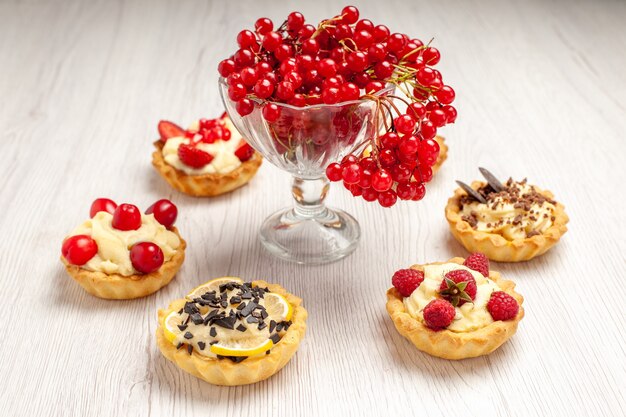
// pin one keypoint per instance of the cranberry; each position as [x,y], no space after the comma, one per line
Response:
[146,257]
[126,217]
[164,211]
[79,249]
[102,204]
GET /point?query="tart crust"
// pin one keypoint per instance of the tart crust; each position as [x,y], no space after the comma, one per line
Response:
[120,287]
[251,370]
[446,343]
[495,246]
[443,154]
[206,185]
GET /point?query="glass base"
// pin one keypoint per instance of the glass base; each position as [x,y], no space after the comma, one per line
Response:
[327,236]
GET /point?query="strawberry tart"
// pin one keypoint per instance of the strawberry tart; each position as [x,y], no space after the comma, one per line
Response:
[231,332]
[456,309]
[120,253]
[208,159]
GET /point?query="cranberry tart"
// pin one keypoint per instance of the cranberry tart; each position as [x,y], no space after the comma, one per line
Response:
[120,253]
[509,222]
[456,309]
[208,159]
[231,332]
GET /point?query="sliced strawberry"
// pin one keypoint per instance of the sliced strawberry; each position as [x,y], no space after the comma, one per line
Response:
[244,151]
[194,157]
[169,130]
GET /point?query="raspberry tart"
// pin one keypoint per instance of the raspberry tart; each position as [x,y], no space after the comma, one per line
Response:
[456,309]
[120,253]
[208,159]
[509,222]
[231,332]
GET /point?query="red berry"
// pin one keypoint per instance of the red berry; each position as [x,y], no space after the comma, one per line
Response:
[387,198]
[450,114]
[381,180]
[327,67]
[458,287]
[407,280]
[288,65]
[404,124]
[381,33]
[249,76]
[502,306]
[351,173]
[271,41]
[364,24]
[406,190]
[271,112]
[126,217]
[283,52]
[263,25]
[349,92]
[310,47]
[333,172]
[263,88]
[244,107]
[431,56]
[295,21]
[445,95]
[102,204]
[294,78]
[377,52]
[428,151]
[79,249]
[369,194]
[357,61]
[438,117]
[368,164]
[244,58]
[355,189]
[408,146]
[330,95]
[350,14]
[306,32]
[420,192]
[401,172]
[164,211]
[363,38]
[226,67]
[427,129]
[396,42]
[425,76]
[383,70]
[417,110]
[169,130]
[244,152]
[237,91]
[478,262]
[285,90]
[146,257]
[194,157]
[373,87]
[438,314]
[246,39]
[389,140]
[387,158]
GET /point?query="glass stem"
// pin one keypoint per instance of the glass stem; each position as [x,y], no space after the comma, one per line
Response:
[309,195]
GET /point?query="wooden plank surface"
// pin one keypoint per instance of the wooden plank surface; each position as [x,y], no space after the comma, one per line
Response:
[541,93]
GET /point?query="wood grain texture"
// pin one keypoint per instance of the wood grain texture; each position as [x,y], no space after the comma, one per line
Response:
[541,93]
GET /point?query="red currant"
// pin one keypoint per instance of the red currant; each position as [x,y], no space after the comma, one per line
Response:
[306,32]
[427,129]
[383,70]
[146,257]
[271,112]
[102,204]
[373,87]
[310,46]
[381,180]
[406,190]
[387,158]
[263,25]
[396,42]
[364,24]
[368,164]
[387,198]
[408,146]
[244,58]
[390,140]
[79,249]
[283,52]
[363,39]
[401,173]
[164,211]
[425,76]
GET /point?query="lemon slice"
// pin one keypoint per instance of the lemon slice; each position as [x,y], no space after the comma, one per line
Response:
[213,285]
[277,306]
[171,326]
[241,347]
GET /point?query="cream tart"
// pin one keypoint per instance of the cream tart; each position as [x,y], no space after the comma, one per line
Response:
[231,332]
[509,222]
[456,309]
[206,160]
[120,253]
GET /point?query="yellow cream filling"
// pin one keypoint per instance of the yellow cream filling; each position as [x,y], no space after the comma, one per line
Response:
[114,245]
[470,316]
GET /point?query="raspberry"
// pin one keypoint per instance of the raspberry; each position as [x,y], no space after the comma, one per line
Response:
[478,262]
[458,287]
[194,157]
[502,306]
[407,280]
[438,314]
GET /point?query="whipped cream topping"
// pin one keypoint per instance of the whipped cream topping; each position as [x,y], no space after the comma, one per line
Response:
[237,312]
[469,316]
[114,245]
[517,212]
[224,158]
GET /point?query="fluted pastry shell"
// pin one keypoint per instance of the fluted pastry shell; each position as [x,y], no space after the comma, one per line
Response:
[445,343]
[495,246]
[120,287]
[443,154]
[251,370]
[205,185]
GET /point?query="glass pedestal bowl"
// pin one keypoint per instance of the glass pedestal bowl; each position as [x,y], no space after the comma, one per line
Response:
[303,141]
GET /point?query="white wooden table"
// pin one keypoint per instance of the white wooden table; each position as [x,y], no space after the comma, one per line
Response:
[541,93]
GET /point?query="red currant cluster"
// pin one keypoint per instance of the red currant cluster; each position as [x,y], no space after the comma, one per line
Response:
[146,257]
[344,59]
